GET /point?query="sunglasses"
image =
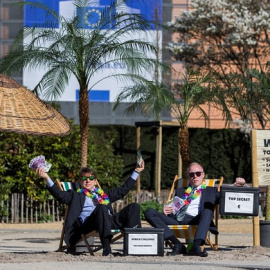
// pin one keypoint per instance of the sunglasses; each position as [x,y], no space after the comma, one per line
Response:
[91,178]
[192,174]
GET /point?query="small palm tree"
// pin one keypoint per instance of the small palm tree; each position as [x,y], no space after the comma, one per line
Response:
[80,52]
[194,92]
[151,98]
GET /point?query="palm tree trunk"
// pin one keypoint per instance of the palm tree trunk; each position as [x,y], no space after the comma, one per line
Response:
[183,141]
[84,124]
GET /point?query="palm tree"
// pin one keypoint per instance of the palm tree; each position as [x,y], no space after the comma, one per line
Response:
[80,52]
[191,94]
[249,95]
[151,98]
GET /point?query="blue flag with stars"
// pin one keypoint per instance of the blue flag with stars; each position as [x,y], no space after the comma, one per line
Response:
[89,18]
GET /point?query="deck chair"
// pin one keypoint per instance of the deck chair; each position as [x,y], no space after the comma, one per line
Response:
[187,232]
[83,242]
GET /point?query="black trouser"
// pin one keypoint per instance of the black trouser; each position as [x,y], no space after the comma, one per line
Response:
[160,220]
[101,221]
[203,221]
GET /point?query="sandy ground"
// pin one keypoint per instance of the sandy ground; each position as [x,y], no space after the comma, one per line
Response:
[30,246]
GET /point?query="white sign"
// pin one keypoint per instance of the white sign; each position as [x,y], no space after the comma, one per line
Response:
[239,202]
[263,156]
[143,244]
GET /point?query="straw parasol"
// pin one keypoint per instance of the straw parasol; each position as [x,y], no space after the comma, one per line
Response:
[22,111]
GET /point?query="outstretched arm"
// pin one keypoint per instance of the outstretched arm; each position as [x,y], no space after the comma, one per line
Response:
[63,196]
[119,192]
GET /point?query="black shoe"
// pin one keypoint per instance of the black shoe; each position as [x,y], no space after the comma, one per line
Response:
[106,252]
[117,254]
[196,251]
[71,250]
[177,249]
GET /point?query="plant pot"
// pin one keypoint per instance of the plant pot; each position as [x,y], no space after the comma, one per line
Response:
[265,233]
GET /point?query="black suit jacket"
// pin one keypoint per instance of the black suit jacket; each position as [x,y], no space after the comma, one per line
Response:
[75,202]
[210,197]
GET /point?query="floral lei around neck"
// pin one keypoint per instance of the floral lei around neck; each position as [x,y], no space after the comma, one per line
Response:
[96,194]
[196,194]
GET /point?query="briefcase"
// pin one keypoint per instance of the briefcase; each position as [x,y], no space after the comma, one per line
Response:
[239,201]
[144,241]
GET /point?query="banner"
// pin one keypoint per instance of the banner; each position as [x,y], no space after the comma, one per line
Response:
[261,156]
[103,90]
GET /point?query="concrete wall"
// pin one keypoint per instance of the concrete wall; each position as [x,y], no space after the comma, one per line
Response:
[102,113]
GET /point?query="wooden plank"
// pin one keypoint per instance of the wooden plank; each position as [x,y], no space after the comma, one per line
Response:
[255,182]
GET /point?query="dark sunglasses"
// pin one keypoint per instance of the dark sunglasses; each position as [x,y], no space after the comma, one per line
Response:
[192,174]
[91,178]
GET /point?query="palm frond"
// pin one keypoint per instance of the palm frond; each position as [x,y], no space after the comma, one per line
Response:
[49,86]
[147,97]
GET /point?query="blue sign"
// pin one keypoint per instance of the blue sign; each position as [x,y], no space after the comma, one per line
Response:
[97,95]
[38,17]
[90,16]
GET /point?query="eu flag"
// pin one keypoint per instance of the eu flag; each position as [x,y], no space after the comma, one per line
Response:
[89,17]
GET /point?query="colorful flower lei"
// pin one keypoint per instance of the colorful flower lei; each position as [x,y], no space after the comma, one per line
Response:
[196,194]
[96,194]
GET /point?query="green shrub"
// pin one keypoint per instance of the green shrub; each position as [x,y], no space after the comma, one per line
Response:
[150,204]
[16,151]
[45,218]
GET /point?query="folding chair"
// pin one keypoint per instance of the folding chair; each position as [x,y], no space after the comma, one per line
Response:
[187,232]
[91,247]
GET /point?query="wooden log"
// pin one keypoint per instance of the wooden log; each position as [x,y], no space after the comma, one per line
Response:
[32,210]
[22,208]
[12,208]
[26,211]
[16,207]
[7,218]
[53,210]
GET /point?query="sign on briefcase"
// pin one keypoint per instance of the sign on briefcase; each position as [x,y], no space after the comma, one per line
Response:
[144,241]
[239,201]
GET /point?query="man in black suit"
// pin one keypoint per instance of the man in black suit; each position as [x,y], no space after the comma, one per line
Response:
[199,202]
[90,207]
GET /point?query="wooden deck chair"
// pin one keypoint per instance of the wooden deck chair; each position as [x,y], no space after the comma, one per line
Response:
[187,232]
[83,242]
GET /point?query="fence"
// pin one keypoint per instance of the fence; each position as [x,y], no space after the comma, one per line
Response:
[22,209]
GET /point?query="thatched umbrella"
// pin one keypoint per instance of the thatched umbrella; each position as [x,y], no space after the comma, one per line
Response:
[22,111]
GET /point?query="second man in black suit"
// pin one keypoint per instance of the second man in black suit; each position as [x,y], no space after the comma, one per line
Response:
[90,207]
[199,202]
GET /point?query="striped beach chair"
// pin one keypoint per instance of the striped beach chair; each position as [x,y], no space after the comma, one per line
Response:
[187,232]
[87,240]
